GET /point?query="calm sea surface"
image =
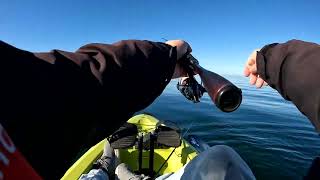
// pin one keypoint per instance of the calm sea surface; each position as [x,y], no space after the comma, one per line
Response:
[269,133]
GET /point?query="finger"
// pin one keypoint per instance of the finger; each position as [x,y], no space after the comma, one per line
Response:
[259,82]
[246,71]
[253,79]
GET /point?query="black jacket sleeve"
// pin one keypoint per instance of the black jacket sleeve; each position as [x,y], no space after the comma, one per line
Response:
[54,104]
[293,69]
[130,72]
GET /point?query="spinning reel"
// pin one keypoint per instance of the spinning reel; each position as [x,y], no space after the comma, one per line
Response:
[189,86]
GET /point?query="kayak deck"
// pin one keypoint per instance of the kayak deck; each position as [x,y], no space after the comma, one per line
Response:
[145,123]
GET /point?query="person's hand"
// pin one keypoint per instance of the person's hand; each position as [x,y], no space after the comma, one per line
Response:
[250,70]
[182,49]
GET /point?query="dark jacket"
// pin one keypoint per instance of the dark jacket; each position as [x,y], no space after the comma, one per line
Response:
[53,105]
[293,69]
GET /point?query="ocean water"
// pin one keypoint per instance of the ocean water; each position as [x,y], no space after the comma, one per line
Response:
[269,133]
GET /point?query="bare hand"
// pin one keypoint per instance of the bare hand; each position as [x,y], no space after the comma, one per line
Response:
[250,70]
[182,49]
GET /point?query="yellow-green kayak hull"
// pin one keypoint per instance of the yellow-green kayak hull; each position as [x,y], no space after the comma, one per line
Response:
[145,123]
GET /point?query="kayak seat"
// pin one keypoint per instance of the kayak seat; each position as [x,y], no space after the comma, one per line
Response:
[168,136]
[124,137]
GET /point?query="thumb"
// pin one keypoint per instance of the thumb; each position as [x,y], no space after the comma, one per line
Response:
[251,64]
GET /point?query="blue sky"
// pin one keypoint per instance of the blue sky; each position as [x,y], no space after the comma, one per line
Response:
[222,33]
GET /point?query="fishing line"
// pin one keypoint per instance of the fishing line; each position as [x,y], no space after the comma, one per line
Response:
[185,133]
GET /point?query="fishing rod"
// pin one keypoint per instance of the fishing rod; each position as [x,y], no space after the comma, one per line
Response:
[225,95]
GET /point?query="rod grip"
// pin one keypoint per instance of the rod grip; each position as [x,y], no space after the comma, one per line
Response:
[225,95]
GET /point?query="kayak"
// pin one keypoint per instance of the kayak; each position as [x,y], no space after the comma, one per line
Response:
[158,149]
